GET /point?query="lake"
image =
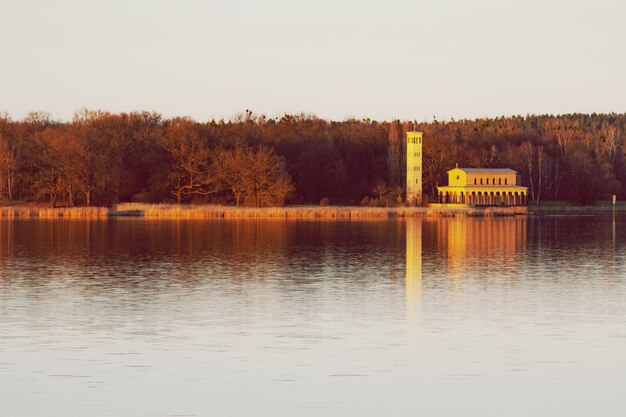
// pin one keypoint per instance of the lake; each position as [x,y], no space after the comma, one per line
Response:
[521,316]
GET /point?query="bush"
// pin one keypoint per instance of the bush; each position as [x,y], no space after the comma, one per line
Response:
[324,201]
[365,202]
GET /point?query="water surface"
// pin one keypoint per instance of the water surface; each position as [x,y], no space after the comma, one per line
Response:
[440,317]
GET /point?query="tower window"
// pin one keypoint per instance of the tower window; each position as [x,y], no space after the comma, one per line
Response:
[474,181]
[499,181]
[506,181]
[481,181]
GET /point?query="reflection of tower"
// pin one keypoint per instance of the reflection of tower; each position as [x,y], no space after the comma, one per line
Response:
[414,168]
[413,284]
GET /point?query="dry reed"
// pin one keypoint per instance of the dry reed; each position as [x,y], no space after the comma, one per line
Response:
[303,212]
[175,211]
[30,212]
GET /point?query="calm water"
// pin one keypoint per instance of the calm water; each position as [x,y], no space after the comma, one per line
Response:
[445,317]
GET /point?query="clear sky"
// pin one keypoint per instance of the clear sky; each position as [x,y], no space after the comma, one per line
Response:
[408,59]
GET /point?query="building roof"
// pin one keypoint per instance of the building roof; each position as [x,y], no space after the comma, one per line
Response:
[488,170]
[482,187]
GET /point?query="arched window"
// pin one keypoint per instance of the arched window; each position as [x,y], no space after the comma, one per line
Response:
[487,180]
[494,181]
[474,181]
[457,177]
[506,181]
[481,181]
[499,181]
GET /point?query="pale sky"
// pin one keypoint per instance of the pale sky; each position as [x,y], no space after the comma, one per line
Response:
[378,59]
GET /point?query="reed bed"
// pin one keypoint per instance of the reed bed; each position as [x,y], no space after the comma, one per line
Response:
[183,211]
[169,211]
[217,211]
[33,212]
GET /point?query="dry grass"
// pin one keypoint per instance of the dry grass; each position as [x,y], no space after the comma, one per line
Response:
[216,211]
[174,211]
[26,212]
[168,211]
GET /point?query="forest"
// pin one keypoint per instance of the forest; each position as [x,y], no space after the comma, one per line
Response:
[100,158]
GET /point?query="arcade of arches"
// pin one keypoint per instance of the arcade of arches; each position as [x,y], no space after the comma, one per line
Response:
[482,197]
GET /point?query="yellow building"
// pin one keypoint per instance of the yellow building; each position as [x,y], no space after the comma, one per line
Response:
[414,168]
[483,187]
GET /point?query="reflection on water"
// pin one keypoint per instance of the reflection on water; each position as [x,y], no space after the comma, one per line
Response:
[466,244]
[496,242]
[453,316]
[413,272]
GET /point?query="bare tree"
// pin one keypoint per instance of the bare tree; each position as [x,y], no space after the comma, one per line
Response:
[267,180]
[258,177]
[542,170]
[191,160]
[527,161]
[230,170]
[380,189]
[395,163]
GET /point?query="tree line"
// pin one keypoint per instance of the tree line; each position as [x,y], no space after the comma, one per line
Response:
[100,158]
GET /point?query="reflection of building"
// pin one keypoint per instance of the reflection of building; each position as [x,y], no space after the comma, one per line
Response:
[497,239]
[413,283]
[414,168]
[483,187]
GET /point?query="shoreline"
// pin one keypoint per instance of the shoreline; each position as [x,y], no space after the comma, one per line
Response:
[183,211]
[188,211]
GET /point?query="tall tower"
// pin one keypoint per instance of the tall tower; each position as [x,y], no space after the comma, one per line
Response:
[414,168]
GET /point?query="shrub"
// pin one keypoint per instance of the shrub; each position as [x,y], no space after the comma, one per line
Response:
[324,201]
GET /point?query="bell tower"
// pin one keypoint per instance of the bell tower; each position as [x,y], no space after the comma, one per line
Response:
[414,168]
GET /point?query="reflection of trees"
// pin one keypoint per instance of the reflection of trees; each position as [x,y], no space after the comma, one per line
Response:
[149,255]
[6,243]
